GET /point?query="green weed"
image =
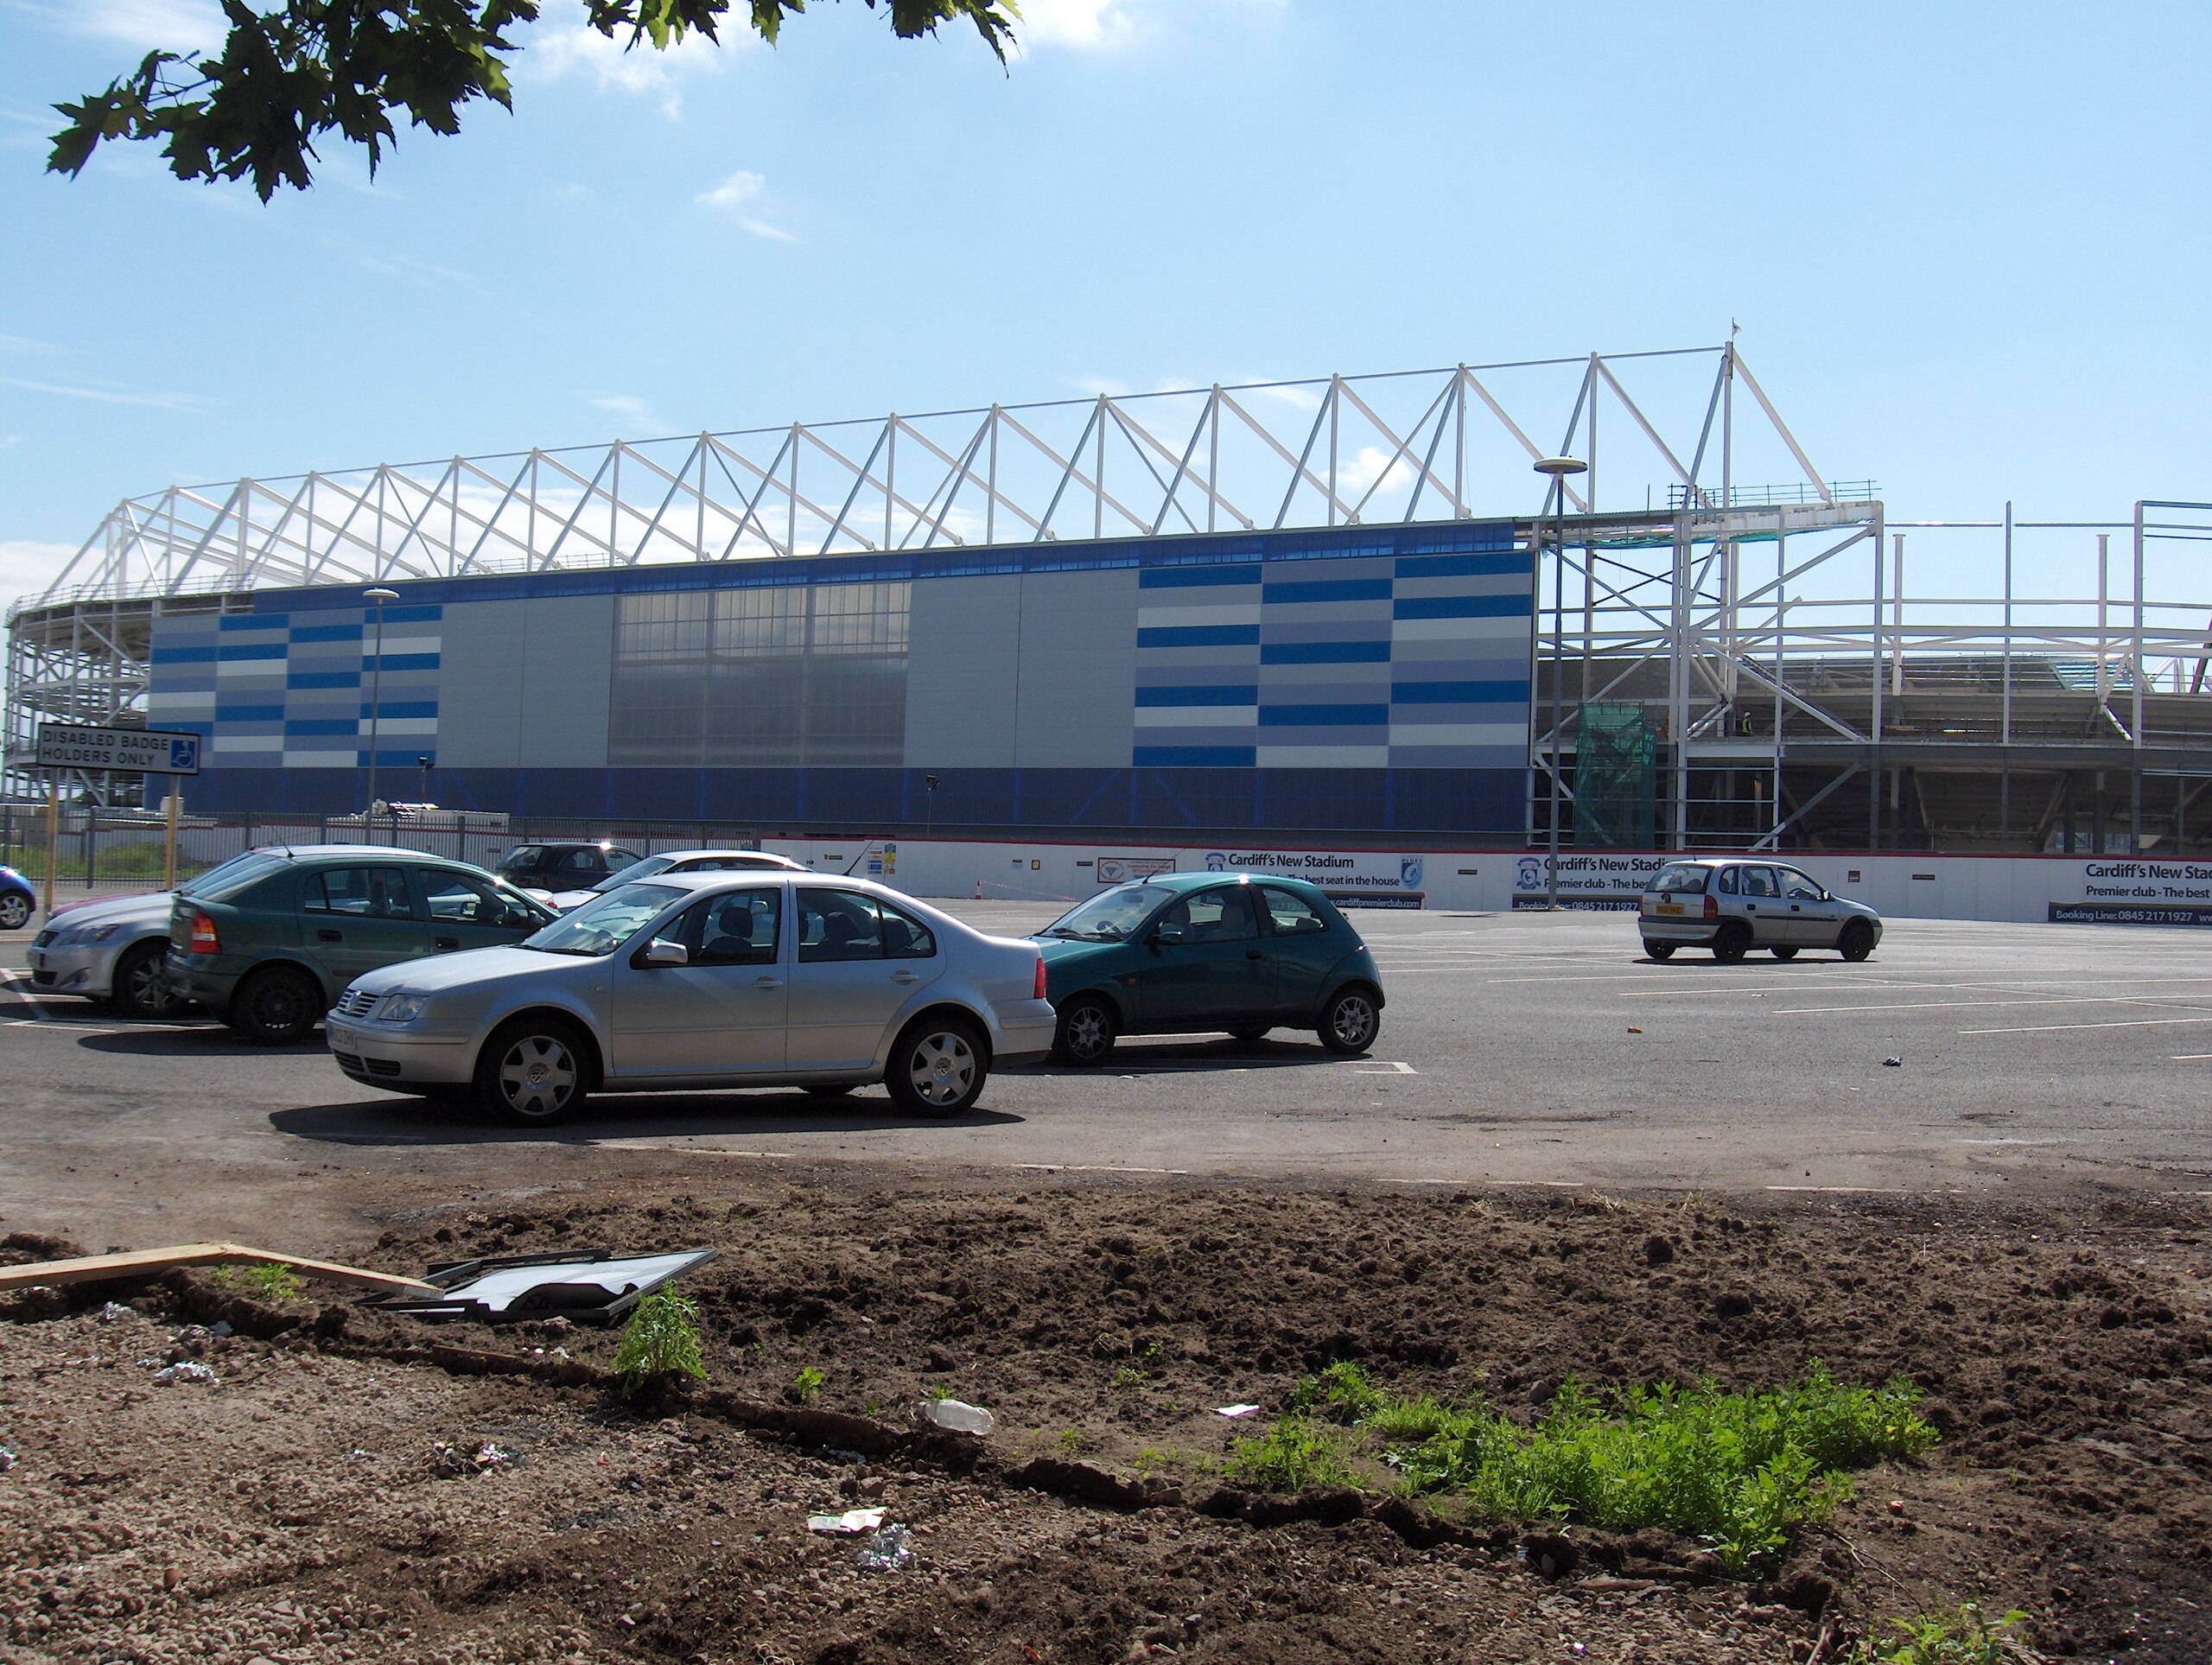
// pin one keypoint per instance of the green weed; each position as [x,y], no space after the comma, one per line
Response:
[1291,1456]
[1969,1638]
[806,1386]
[263,1282]
[660,1341]
[1072,1441]
[1743,1471]
[1127,1377]
[1344,1393]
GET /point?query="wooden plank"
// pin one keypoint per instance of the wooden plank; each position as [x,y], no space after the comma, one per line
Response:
[146,1263]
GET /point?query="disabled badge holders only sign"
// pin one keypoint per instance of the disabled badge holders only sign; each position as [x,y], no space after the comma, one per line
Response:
[141,751]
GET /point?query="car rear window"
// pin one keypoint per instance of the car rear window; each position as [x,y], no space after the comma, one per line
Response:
[1680,878]
[229,878]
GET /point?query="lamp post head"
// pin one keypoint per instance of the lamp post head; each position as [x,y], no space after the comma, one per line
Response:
[930,781]
[1560,467]
[380,595]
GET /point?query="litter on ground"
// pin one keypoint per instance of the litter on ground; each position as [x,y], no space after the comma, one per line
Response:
[851,1523]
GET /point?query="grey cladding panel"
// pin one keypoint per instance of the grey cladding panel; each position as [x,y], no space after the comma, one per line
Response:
[479,685]
[1078,669]
[568,656]
[962,672]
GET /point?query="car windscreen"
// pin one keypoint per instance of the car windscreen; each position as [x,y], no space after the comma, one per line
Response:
[1111,916]
[602,926]
[227,878]
[641,869]
[1680,878]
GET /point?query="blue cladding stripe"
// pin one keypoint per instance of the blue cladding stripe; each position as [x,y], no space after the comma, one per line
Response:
[1328,589]
[1194,636]
[248,712]
[233,651]
[395,708]
[327,633]
[299,725]
[1332,716]
[1468,693]
[1195,757]
[262,622]
[403,662]
[403,759]
[1460,607]
[185,655]
[1228,694]
[1326,653]
[1198,577]
[1463,566]
[417,615]
[323,679]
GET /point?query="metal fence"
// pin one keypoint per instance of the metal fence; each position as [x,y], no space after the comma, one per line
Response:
[104,851]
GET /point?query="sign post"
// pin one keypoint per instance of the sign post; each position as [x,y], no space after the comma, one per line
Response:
[136,751]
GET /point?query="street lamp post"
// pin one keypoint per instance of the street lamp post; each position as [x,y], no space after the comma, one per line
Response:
[1557,470]
[928,803]
[379,596]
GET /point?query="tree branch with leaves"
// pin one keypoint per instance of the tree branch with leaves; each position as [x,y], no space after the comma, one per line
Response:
[287,77]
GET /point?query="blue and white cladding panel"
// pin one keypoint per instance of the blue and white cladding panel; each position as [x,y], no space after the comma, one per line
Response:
[1349,662]
[290,689]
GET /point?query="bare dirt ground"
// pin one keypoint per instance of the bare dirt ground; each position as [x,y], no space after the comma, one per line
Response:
[331,1498]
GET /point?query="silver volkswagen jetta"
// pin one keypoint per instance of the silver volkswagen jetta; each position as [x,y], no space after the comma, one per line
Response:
[684,981]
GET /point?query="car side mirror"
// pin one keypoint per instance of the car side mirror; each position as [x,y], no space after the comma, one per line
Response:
[1166,936]
[667,954]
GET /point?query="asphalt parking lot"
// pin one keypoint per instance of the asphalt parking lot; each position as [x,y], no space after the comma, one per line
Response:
[1528,1050]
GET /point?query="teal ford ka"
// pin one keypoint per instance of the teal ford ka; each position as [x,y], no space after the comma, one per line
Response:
[1184,953]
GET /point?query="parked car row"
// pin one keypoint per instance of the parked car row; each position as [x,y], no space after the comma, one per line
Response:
[700,969]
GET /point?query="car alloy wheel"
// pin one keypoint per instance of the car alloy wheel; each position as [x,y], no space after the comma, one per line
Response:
[277,1006]
[142,987]
[1086,1032]
[15,911]
[1350,1023]
[942,1067]
[537,1078]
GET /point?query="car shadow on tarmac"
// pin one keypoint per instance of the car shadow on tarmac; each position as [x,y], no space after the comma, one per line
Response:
[1175,1056]
[182,1038]
[612,1118]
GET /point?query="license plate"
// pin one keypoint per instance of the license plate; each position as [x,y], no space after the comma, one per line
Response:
[1670,908]
[343,1040]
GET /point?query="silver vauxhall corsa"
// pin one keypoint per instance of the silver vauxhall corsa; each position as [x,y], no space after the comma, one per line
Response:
[1732,905]
[684,981]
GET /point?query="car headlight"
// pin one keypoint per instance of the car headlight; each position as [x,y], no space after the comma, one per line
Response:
[100,933]
[401,1008]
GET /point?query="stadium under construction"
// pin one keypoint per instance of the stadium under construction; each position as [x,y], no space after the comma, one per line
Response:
[1473,603]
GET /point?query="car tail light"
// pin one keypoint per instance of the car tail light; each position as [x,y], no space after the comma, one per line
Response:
[1712,907]
[204,940]
[1036,990]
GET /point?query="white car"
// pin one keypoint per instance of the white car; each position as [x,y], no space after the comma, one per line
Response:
[565,901]
[685,981]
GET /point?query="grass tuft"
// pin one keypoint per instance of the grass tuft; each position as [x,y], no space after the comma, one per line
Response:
[1291,1456]
[1344,1391]
[1968,1637]
[1743,1471]
[264,1282]
[661,1341]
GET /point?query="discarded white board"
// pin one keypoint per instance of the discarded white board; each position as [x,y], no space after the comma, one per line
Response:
[584,1284]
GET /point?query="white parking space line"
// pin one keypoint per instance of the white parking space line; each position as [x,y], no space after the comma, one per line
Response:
[1390,1070]
[2191,1057]
[1089,1167]
[2050,1028]
[2025,999]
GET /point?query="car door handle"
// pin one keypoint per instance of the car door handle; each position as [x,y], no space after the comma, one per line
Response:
[1256,954]
[768,982]
[1794,908]
[906,976]
[330,935]
[444,942]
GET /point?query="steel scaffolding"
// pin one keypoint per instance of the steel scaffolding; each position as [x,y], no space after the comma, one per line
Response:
[1795,690]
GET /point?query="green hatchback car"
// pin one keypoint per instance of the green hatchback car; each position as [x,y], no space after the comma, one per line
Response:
[268,941]
[1183,953]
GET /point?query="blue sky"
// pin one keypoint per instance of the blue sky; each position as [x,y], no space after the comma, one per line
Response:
[1967,244]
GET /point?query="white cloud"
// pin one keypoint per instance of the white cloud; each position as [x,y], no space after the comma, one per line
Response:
[557,52]
[628,408]
[1082,24]
[149,25]
[742,187]
[102,395]
[27,567]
